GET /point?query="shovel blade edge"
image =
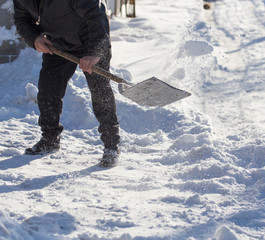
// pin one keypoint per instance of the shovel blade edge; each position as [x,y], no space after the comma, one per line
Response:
[154,93]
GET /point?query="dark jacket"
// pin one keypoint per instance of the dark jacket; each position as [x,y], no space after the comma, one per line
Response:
[71,25]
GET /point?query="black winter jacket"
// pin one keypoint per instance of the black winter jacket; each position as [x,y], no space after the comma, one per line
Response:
[71,25]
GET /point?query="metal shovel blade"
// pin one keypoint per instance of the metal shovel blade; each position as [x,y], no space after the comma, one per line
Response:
[154,92]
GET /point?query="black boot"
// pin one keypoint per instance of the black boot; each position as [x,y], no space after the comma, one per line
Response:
[110,157]
[44,146]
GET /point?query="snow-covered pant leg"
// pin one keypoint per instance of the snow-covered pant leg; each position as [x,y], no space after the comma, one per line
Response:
[104,107]
[53,79]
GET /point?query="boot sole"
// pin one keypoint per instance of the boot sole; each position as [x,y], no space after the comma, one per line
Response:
[30,152]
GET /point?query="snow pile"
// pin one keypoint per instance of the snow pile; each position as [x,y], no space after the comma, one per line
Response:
[8,5]
[192,170]
[9,35]
[225,233]
[11,230]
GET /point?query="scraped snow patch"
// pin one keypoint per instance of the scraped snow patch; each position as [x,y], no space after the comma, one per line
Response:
[197,48]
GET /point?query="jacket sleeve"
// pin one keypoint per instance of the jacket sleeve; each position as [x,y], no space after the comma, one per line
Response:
[94,13]
[25,24]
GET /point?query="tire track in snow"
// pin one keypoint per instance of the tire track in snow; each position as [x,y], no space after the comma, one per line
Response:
[235,31]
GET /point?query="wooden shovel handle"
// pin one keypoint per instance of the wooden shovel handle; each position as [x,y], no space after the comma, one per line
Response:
[95,69]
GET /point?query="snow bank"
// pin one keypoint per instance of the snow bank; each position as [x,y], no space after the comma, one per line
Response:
[225,233]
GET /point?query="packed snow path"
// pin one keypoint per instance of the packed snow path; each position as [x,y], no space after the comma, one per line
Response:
[238,80]
[194,170]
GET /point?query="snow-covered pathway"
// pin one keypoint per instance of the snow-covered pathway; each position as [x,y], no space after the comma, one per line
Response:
[193,170]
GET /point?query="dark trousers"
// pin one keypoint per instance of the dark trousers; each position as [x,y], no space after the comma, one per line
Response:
[54,76]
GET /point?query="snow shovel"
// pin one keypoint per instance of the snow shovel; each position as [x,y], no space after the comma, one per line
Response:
[151,92]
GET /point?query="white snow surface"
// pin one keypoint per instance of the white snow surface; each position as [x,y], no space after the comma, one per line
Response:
[193,170]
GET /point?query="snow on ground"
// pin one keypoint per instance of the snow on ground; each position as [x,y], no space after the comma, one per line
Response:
[193,170]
